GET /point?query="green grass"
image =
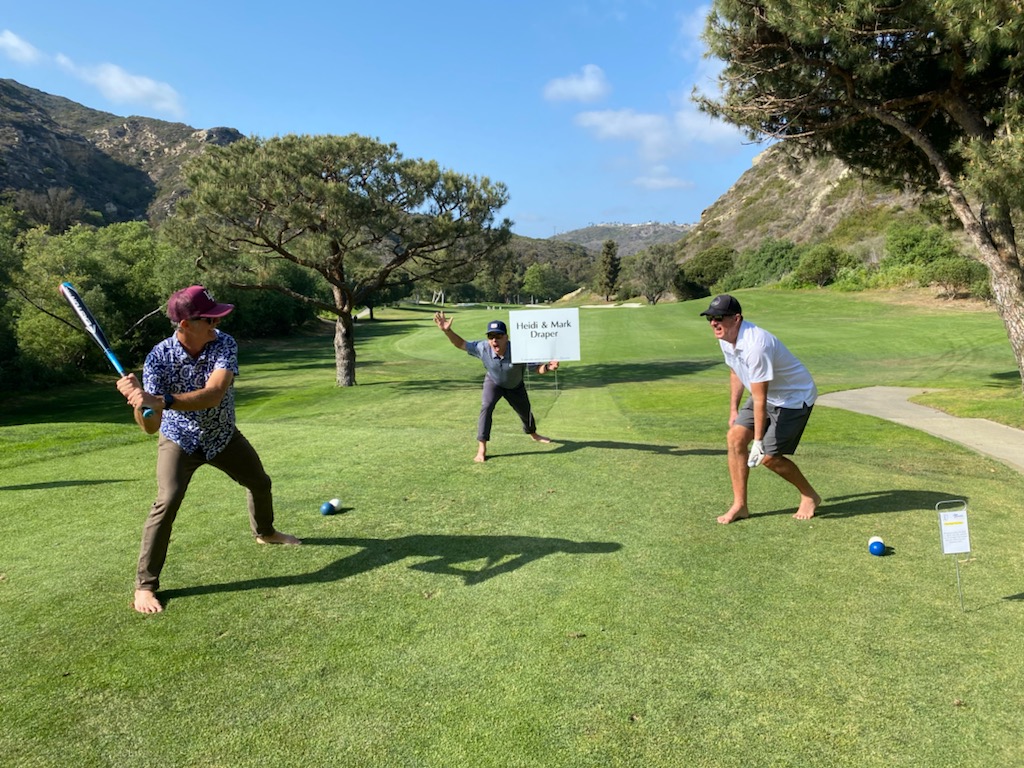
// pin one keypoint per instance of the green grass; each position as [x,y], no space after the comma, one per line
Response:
[565,605]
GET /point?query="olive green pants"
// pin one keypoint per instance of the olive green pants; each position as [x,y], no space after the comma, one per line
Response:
[174,470]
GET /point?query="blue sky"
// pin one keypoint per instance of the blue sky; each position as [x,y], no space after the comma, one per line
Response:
[582,108]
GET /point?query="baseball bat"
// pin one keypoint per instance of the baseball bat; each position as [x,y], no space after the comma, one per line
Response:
[93,329]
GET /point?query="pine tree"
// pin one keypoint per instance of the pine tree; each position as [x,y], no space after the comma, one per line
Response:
[608,270]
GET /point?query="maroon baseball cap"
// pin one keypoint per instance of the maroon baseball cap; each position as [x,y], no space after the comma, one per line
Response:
[195,301]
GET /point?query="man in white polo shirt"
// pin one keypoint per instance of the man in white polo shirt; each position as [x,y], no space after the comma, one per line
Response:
[782,394]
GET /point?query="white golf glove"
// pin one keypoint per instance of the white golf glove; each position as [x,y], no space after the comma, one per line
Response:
[756,454]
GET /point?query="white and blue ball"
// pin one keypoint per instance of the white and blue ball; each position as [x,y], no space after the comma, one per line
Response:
[330,507]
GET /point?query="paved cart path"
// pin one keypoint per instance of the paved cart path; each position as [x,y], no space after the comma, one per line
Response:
[891,403]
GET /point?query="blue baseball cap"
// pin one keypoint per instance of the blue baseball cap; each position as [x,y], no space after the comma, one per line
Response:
[496,326]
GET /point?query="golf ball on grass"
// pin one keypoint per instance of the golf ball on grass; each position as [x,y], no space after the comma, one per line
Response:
[330,507]
[876,546]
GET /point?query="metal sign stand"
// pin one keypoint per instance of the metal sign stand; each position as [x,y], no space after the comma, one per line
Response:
[954,534]
[529,378]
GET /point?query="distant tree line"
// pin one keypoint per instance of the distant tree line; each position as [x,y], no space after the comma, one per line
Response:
[125,271]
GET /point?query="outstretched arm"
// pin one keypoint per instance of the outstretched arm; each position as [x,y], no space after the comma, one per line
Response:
[445,324]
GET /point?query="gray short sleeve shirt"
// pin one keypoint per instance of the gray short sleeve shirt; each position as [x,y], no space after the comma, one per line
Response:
[501,370]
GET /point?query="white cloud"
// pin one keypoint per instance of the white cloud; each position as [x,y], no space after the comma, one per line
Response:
[665,142]
[122,87]
[694,127]
[691,49]
[658,178]
[589,85]
[17,49]
[660,138]
[691,28]
[652,133]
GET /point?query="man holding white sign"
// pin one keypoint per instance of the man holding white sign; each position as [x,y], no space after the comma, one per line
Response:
[545,334]
[504,378]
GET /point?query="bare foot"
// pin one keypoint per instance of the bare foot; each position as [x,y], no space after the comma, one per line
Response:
[540,438]
[480,458]
[278,538]
[808,506]
[146,602]
[733,515]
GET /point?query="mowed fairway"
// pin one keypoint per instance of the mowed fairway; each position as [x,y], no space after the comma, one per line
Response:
[572,604]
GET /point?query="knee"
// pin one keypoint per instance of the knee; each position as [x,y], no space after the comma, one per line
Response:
[267,483]
[168,500]
[261,484]
[738,438]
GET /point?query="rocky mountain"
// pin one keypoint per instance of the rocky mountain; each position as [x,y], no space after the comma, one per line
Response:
[629,237]
[129,168]
[125,168]
[806,200]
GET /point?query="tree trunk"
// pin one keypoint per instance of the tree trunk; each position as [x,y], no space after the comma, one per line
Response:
[1009,297]
[993,237]
[345,350]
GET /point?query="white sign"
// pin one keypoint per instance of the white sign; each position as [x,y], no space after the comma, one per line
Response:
[540,335]
[953,527]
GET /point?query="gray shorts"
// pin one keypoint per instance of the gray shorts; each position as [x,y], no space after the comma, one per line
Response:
[785,426]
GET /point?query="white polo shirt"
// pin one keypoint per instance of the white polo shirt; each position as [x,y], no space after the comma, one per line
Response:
[757,356]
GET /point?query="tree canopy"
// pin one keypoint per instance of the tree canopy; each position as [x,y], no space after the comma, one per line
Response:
[921,91]
[350,208]
[652,271]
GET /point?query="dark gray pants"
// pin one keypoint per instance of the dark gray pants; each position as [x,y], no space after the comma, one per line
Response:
[174,470]
[517,397]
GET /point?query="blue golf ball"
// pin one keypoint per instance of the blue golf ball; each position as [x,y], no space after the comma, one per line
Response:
[327,508]
[876,546]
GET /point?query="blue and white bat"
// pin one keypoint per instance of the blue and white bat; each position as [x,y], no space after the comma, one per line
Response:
[93,329]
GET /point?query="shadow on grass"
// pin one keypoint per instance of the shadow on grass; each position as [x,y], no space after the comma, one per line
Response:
[314,347]
[57,484]
[873,503]
[599,374]
[1007,378]
[503,554]
[97,400]
[571,446]
[87,402]
[573,376]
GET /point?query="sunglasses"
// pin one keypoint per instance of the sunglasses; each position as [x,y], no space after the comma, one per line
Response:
[208,320]
[717,318]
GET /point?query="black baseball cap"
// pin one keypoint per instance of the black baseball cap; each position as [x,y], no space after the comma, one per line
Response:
[723,304]
[496,326]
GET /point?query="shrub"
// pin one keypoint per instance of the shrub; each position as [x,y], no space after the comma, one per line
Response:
[767,264]
[916,243]
[853,278]
[820,264]
[955,275]
[710,265]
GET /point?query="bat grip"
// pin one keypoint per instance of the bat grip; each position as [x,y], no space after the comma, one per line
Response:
[146,412]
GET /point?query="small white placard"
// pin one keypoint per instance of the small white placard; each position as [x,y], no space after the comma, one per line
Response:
[540,335]
[953,528]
